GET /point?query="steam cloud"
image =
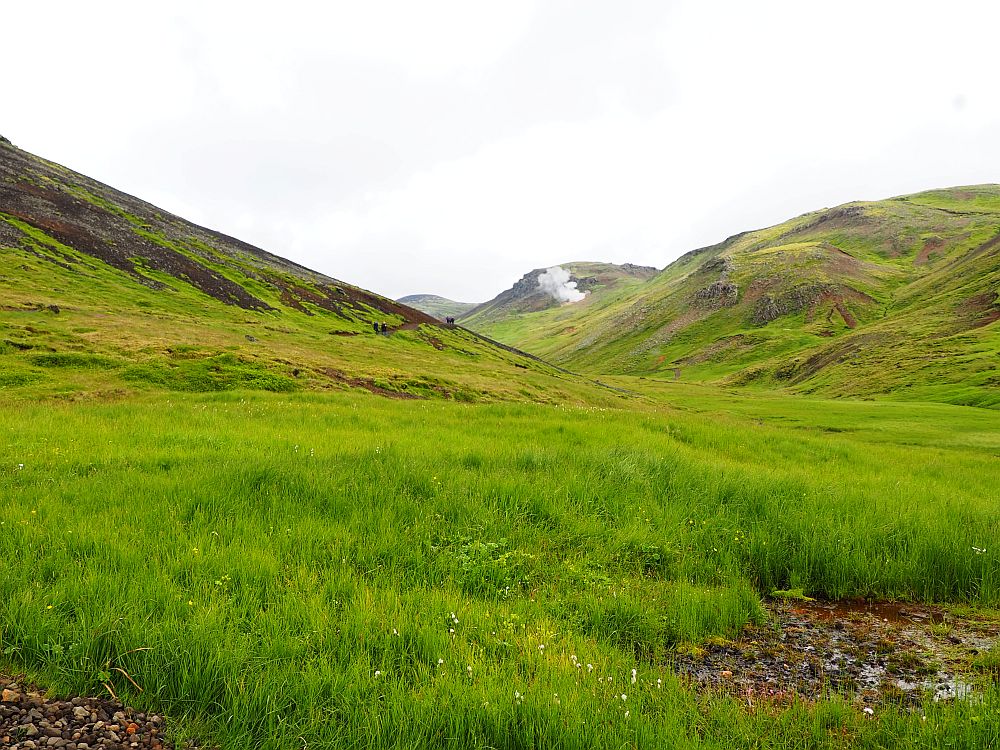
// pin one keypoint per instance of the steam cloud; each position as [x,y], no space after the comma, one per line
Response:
[555,281]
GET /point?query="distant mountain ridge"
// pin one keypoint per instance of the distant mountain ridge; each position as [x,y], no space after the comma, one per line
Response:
[527,295]
[894,297]
[439,307]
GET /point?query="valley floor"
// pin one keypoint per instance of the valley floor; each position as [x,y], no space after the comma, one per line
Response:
[338,569]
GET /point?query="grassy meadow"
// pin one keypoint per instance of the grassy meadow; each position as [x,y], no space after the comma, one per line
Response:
[303,570]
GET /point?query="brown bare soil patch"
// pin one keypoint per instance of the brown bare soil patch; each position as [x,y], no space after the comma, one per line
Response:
[874,652]
[367,383]
[932,246]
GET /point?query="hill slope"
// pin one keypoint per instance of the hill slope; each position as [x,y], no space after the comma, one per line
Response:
[439,307]
[103,293]
[890,297]
[598,281]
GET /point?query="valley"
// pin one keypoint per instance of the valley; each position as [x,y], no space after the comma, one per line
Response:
[677,512]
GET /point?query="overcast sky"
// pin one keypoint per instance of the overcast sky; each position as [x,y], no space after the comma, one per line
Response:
[450,146]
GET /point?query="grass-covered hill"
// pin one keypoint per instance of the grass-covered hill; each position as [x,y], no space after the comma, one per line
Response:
[439,307]
[897,297]
[598,281]
[102,293]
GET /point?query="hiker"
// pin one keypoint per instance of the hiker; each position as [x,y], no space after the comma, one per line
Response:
[385,330]
[375,326]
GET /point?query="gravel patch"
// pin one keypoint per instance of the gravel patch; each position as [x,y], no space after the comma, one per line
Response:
[30,720]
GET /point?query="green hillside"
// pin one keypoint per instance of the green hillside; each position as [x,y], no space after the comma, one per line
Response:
[439,307]
[599,282]
[103,294]
[892,298]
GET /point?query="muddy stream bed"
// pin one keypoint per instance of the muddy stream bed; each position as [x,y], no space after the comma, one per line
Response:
[873,652]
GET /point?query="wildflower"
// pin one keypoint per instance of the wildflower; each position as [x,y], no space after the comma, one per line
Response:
[869,710]
[627,714]
[49,607]
[590,667]
[659,684]
[541,647]
[469,670]
[190,603]
[633,676]
[451,630]
[195,550]
[378,673]
[624,697]
[395,632]
[20,466]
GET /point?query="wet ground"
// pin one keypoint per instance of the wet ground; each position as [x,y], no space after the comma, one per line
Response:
[874,652]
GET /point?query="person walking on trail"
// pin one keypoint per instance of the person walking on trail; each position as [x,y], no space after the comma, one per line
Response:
[385,329]
[375,326]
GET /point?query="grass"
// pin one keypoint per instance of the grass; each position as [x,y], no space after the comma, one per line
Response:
[344,570]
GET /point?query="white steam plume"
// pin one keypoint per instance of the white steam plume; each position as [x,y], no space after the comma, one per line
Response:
[555,281]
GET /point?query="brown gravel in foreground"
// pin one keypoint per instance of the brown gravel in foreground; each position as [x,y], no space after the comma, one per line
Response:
[29,720]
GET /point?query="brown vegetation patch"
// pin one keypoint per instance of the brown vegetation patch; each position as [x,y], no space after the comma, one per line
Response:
[932,246]
[980,310]
[368,384]
[720,349]
[836,353]
[877,652]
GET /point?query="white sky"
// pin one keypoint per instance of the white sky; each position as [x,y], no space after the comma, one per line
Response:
[450,146]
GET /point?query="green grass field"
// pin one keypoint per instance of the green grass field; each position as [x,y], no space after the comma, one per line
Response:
[303,570]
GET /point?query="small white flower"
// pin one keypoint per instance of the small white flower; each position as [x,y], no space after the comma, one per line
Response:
[627,714]
[624,697]
[590,667]
[541,646]
[440,662]
[659,683]
[869,710]
[395,632]
[633,676]
[378,673]
[20,466]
